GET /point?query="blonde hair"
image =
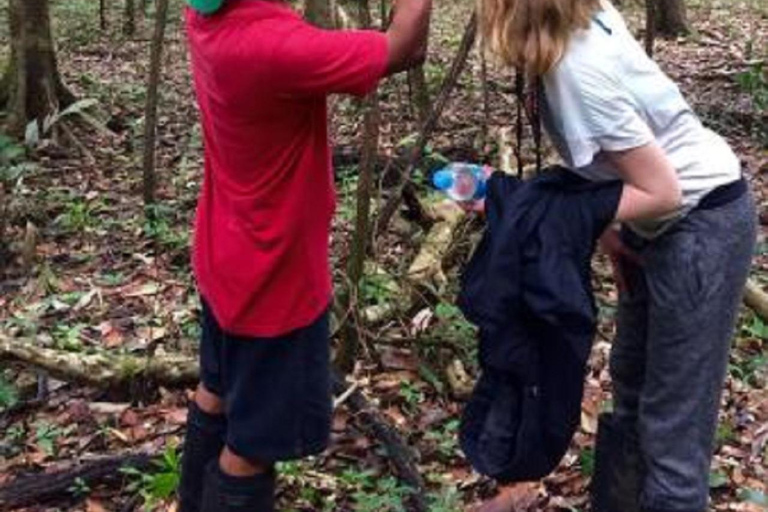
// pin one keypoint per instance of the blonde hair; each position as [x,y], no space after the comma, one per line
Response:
[532,34]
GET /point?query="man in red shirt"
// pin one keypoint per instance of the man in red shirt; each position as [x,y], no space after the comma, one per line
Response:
[261,77]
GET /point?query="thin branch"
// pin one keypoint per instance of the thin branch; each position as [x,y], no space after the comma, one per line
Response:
[391,206]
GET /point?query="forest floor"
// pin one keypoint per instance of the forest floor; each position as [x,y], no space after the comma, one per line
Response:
[104,279]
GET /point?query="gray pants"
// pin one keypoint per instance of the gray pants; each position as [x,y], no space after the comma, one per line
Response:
[669,359]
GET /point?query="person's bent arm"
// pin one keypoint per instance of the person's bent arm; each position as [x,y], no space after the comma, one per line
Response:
[651,188]
[407,34]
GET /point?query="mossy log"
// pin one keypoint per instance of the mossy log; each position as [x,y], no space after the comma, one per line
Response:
[101,369]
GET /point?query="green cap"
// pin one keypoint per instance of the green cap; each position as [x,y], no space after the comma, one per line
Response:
[205,6]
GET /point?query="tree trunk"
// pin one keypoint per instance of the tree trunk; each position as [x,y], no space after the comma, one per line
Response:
[671,18]
[319,12]
[32,86]
[350,302]
[103,14]
[129,21]
[3,219]
[150,117]
[420,92]
[651,7]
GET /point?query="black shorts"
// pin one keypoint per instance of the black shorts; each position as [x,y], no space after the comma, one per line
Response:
[276,391]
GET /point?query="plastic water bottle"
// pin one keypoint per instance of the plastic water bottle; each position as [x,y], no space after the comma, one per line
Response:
[462,181]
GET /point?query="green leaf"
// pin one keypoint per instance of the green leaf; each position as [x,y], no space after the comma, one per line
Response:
[8,395]
[164,485]
[717,480]
[754,496]
[587,461]
[77,107]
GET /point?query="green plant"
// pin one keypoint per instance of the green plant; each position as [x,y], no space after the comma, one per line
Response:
[161,484]
[587,461]
[412,394]
[725,434]
[39,129]
[347,198]
[386,496]
[717,479]
[377,287]
[113,278]
[79,488]
[158,223]
[757,328]
[80,214]
[748,368]
[67,337]
[447,500]
[445,439]
[452,324]
[13,164]
[754,81]
[754,496]
[8,394]
[46,436]
[16,433]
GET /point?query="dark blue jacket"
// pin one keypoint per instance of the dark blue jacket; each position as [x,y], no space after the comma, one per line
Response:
[528,288]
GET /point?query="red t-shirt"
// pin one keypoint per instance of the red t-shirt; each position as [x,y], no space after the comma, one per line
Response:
[261,76]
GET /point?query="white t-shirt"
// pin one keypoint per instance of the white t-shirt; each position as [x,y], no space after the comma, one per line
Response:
[607,95]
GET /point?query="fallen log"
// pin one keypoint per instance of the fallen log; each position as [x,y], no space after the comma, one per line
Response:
[426,270]
[39,488]
[101,369]
[400,454]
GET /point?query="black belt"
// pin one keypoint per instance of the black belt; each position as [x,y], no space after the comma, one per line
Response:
[723,195]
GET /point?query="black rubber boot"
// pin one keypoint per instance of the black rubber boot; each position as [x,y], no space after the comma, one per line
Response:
[203,443]
[619,469]
[226,493]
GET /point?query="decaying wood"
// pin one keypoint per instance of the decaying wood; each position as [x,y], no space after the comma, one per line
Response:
[460,382]
[459,62]
[426,270]
[756,299]
[39,488]
[401,456]
[100,369]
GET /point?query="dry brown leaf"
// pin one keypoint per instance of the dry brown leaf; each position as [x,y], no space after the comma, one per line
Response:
[176,416]
[92,505]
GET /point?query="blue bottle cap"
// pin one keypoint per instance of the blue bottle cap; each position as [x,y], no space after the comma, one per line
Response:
[443,179]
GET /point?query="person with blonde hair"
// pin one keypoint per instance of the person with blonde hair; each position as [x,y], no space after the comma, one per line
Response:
[681,245]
